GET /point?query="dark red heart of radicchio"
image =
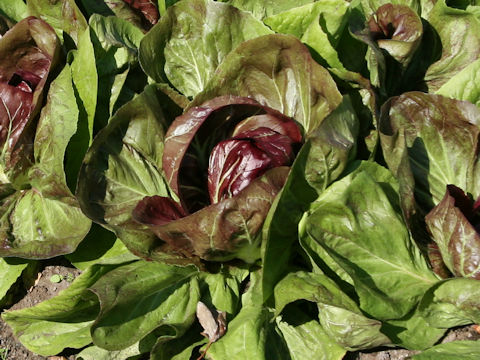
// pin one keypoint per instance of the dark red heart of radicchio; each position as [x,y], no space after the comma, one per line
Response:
[240,140]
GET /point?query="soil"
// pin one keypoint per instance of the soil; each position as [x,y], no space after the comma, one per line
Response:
[42,288]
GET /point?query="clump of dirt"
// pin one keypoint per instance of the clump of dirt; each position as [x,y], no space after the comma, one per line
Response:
[49,282]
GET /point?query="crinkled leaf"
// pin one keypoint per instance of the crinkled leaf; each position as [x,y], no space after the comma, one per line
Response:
[430,141]
[455,235]
[192,39]
[63,16]
[464,349]
[123,10]
[119,41]
[396,29]
[451,303]
[278,71]
[45,224]
[123,165]
[465,85]
[358,222]
[141,297]
[64,320]
[330,14]
[458,31]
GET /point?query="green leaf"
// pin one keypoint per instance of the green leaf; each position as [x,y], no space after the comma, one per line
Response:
[14,10]
[63,16]
[97,353]
[123,165]
[307,339]
[247,334]
[464,85]
[280,227]
[412,332]
[115,43]
[181,348]
[11,269]
[465,350]
[358,222]
[319,25]
[58,123]
[85,82]
[451,303]
[192,39]
[339,316]
[141,297]
[321,161]
[458,31]
[224,289]
[100,246]
[64,320]
[278,71]
[263,8]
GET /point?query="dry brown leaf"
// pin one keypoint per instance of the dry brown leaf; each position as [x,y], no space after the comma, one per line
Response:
[213,322]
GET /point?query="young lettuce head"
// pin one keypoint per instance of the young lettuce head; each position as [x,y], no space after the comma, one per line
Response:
[225,160]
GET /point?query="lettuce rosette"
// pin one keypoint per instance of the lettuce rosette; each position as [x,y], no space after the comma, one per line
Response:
[180,185]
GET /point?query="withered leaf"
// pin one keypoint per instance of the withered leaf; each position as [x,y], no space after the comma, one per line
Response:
[213,322]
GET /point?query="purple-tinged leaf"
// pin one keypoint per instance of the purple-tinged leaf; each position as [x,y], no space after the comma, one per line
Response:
[27,52]
[227,229]
[271,121]
[236,162]
[157,210]
[452,224]
[396,29]
[218,111]
[147,8]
